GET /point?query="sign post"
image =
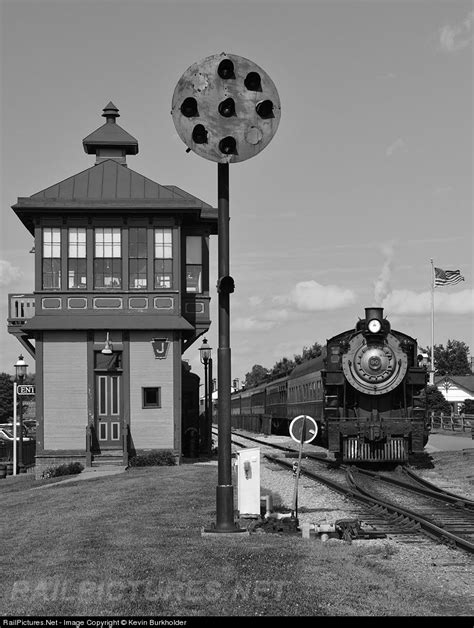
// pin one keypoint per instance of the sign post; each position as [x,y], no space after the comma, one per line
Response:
[226,109]
[303,429]
[20,390]
[15,444]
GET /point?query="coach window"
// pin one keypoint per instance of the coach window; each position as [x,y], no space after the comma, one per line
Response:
[51,257]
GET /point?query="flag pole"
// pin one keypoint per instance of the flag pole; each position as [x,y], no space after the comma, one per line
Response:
[432,370]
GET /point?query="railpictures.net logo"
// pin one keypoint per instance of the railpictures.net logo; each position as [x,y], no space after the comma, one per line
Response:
[192,591]
[93,623]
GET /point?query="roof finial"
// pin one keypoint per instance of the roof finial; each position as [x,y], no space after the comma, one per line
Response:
[110,112]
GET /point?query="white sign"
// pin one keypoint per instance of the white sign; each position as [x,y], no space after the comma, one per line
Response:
[25,389]
[303,421]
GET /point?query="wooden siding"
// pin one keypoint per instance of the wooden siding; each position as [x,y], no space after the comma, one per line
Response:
[65,390]
[151,428]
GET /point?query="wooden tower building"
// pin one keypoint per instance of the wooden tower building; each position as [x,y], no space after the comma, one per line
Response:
[121,291]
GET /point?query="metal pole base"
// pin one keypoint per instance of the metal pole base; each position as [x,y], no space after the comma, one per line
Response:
[225,523]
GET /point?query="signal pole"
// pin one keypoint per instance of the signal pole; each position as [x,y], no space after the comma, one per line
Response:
[209,122]
[225,489]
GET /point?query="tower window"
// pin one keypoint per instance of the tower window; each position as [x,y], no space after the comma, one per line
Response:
[52,257]
[151,397]
[193,264]
[77,271]
[137,254]
[163,262]
[108,258]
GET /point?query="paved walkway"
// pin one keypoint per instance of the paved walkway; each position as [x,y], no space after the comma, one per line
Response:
[89,473]
[449,441]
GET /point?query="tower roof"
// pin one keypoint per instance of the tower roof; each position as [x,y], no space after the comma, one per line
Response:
[110,135]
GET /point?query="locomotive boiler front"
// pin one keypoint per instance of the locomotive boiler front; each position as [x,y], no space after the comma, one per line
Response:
[374,393]
[374,362]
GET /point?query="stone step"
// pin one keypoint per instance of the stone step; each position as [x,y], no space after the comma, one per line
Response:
[109,452]
[108,462]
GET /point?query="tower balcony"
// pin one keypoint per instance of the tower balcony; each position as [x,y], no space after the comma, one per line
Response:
[22,307]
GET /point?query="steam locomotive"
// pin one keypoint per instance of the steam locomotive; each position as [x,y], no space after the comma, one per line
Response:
[366,391]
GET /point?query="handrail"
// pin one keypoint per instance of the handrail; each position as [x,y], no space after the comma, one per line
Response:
[89,429]
[125,443]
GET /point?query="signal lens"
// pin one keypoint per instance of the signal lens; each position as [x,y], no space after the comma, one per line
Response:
[228,146]
[189,107]
[227,108]
[226,69]
[253,82]
[199,134]
[265,109]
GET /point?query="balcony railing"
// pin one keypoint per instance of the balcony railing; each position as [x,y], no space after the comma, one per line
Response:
[20,308]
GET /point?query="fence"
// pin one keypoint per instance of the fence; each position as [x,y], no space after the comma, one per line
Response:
[452,422]
[29,450]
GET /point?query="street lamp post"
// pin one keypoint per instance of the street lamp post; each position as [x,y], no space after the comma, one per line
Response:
[205,352]
[20,373]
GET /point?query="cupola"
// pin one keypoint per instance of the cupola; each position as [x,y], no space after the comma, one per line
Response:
[110,141]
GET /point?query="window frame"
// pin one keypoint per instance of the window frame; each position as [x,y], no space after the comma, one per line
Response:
[194,267]
[138,258]
[163,276]
[147,405]
[74,257]
[51,258]
[108,258]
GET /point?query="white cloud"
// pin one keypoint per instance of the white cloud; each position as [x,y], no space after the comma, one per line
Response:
[310,296]
[398,144]
[406,302]
[255,301]
[251,323]
[454,38]
[9,273]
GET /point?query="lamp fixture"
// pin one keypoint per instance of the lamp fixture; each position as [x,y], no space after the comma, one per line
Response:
[21,367]
[205,352]
[107,350]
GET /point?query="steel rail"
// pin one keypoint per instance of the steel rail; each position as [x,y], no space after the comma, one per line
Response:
[360,494]
[433,491]
[425,525]
[411,474]
[281,447]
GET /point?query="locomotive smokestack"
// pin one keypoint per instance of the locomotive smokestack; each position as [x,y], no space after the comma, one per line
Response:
[374,312]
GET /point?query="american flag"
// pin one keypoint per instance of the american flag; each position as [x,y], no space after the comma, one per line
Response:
[447,277]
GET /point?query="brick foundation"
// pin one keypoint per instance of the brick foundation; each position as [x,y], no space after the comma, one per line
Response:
[45,461]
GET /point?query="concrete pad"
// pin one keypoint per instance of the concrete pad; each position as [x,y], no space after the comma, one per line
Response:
[89,473]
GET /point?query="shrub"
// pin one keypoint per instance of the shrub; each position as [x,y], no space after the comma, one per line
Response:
[163,458]
[63,469]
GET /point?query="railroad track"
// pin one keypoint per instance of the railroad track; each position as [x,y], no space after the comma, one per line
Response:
[408,507]
[441,515]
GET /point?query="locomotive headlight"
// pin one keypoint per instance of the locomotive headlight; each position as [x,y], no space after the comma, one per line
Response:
[374,326]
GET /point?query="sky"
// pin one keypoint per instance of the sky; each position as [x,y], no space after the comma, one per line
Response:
[368,178]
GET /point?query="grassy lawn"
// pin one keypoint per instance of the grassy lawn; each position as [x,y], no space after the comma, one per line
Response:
[131,544]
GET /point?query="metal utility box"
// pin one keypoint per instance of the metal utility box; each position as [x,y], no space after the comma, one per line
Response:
[248,482]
